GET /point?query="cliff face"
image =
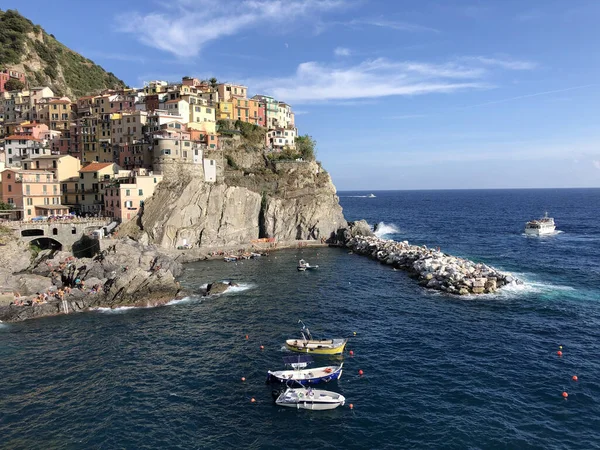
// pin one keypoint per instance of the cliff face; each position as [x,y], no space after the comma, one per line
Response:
[284,200]
[27,48]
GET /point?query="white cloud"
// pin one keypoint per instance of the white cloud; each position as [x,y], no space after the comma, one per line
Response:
[504,63]
[183,27]
[392,24]
[317,82]
[596,164]
[342,51]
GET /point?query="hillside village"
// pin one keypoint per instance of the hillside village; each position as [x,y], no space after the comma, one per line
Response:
[103,155]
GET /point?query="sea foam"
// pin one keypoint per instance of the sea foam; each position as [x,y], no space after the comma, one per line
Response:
[385,229]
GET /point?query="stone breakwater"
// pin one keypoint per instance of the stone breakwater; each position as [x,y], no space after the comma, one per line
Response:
[434,269]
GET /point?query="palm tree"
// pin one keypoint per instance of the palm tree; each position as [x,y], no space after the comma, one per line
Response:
[213,82]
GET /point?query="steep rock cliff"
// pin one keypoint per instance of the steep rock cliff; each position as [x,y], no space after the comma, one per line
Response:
[283,200]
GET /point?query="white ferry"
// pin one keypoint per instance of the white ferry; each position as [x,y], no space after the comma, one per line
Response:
[545,225]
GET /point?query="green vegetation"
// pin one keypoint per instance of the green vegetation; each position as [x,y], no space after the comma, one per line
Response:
[252,134]
[231,162]
[35,251]
[6,206]
[79,75]
[13,30]
[305,145]
[287,154]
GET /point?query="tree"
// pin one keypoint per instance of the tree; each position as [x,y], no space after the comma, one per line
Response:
[14,85]
[305,145]
[6,206]
[213,82]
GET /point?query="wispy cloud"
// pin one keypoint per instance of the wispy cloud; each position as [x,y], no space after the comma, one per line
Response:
[536,94]
[317,82]
[342,51]
[505,63]
[392,24]
[183,27]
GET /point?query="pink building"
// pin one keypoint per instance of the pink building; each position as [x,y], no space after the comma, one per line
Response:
[7,74]
[123,198]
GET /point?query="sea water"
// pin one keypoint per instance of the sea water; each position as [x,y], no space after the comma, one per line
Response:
[438,371]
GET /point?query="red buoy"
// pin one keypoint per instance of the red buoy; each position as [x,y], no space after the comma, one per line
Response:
[565,395]
[559,353]
[262,347]
[246,336]
[351,353]
[243,378]
[360,372]
[574,378]
[351,405]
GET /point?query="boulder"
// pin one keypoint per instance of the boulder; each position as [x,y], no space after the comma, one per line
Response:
[218,287]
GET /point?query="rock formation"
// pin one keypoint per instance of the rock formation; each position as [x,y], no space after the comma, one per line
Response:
[125,274]
[434,269]
[284,200]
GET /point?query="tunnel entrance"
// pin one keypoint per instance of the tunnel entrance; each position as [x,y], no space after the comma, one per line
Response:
[46,244]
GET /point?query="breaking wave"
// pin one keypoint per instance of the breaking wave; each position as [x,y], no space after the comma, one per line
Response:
[385,229]
[118,310]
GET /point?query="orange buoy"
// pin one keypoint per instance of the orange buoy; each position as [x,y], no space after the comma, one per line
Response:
[246,336]
[565,395]
[559,353]
[360,372]
[574,378]
[351,353]
[253,400]
[243,378]
[262,347]
[351,405]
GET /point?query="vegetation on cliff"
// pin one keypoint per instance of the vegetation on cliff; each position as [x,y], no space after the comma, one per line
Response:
[27,48]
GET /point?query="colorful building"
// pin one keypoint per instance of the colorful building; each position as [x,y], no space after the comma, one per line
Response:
[8,74]
[124,197]
[228,91]
[33,193]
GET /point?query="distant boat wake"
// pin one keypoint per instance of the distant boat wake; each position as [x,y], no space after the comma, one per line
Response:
[383,229]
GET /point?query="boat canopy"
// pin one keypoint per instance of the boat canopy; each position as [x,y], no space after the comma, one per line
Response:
[300,359]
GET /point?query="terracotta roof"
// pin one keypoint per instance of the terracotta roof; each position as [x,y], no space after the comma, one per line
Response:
[16,137]
[94,167]
[173,101]
[60,101]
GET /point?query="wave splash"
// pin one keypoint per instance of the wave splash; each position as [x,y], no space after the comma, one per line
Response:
[384,229]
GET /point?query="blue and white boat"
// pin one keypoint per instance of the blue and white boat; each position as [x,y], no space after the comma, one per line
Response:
[299,374]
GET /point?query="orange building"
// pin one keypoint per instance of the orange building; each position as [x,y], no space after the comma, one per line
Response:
[33,192]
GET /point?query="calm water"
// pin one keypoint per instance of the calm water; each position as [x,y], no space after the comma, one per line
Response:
[439,372]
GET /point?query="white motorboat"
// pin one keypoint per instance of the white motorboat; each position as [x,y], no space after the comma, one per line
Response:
[545,225]
[303,265]
[371,196]
[308,398]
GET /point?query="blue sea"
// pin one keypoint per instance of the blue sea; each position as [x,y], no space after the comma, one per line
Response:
[439,371]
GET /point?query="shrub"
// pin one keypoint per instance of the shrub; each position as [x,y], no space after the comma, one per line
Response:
[14,85]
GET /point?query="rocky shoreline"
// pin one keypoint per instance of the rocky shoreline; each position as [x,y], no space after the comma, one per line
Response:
[433,268]
[125,274]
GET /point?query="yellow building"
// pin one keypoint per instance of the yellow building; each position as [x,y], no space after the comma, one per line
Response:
[225,110]
[86,191]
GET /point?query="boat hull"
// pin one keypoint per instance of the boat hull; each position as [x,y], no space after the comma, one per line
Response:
[539,231]
[324,347]
[318,400]
[303,377]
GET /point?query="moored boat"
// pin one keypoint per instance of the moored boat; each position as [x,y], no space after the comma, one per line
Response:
[308,398]
[307,344]
[303,265]
[545,225]
[299,374]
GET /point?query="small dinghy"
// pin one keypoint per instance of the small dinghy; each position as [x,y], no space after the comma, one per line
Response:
[303,266]
[299,374]
[308,398]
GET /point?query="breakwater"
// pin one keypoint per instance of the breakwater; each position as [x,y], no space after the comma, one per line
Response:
[433,268]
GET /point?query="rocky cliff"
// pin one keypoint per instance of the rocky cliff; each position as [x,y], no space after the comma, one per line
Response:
[27,48]
[253,198]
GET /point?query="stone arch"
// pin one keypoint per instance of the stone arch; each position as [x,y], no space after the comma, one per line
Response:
[46,243]
[32,232]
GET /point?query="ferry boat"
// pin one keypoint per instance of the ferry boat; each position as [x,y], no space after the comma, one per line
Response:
[545,225]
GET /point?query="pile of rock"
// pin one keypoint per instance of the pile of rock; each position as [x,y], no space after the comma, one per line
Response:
[434,269]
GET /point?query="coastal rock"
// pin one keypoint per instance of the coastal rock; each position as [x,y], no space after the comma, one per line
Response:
[218,287]
[433,269]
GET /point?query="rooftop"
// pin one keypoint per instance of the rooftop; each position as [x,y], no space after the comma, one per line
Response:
[95,166]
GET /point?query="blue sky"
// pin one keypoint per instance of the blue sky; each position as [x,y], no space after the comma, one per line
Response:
[398,94]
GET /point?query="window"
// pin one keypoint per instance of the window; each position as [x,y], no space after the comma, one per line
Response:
[29,201]
[155,181]
[166,151]
[127,192]
[44,189]
[9,188]
[140,192]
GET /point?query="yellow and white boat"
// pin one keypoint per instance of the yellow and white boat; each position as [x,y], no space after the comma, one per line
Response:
[307,344]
